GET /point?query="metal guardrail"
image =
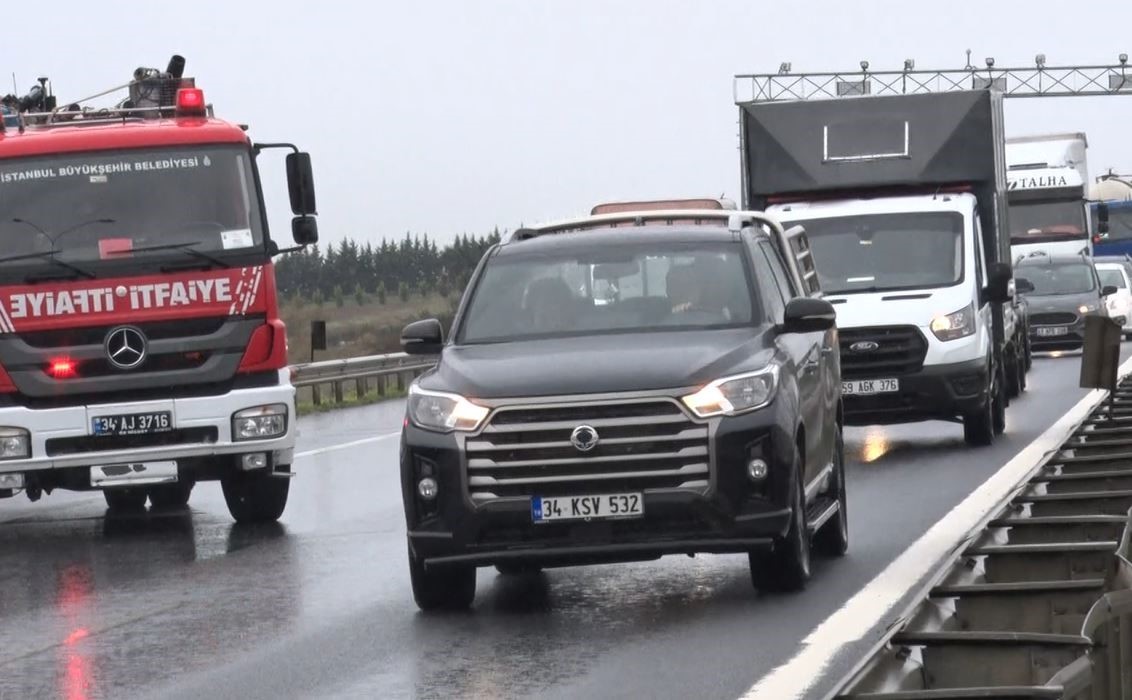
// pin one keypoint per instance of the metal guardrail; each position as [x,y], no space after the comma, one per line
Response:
[1037,604]
[373,372]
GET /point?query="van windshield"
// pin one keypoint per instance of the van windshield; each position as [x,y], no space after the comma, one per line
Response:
[885,252]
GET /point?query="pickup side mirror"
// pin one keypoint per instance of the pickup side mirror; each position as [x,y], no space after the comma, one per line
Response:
[998,282]
[808,315]
[423,337]
[1108,290]
[300,183]
[1023,285]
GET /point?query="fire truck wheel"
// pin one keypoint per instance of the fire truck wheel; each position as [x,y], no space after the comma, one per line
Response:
[120,500]
[256,497]
[171,495]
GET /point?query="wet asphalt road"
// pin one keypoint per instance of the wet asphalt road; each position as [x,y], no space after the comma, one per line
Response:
[187,605]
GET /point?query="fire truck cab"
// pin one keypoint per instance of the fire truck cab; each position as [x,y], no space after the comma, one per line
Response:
[141,349]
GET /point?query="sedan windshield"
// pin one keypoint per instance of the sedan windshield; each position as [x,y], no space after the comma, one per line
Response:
[883,252]
[86,208]
[1058,278]
[614,290]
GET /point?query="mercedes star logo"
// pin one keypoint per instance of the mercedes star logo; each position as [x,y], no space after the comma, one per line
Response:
[125,347]
[584,438]
[864,346]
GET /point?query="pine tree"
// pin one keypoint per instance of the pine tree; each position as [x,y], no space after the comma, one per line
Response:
[339,299]
[381,292]
[403,291]
[359,294]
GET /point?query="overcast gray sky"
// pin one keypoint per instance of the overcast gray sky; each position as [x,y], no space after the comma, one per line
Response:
[449,117]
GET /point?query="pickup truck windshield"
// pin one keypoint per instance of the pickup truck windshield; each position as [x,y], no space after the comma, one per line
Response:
[1043,221]
[885,252]
[1057,278]
[619,289]
[85,208]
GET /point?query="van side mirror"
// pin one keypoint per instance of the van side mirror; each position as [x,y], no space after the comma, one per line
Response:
[998,282]
[1023,285]
[300,182]
[808,315]
[304,229]
[423,337]
[1108,290]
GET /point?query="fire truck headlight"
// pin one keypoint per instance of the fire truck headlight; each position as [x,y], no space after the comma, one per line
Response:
[15,443]
[260,422]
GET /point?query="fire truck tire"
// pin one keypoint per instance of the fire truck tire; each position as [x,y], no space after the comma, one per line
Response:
[122,500]
[171,495]
[256,497]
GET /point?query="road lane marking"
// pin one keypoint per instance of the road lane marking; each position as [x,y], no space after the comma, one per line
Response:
[345,445]
[868,608]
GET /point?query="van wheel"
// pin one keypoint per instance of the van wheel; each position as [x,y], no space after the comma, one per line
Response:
[450,588]
[256,497]
[978,427]
[1013,375]
[121,500]
[833,538]
[786,566]
[999,404]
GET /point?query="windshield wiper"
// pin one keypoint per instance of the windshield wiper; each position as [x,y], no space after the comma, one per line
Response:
[49,255]
[185,247]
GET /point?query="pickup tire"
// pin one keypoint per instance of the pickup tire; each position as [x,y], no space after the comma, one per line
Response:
[450,588]
[978,427]
[832,539]
[786,566]
[123,500]
[256,497]
[171,495]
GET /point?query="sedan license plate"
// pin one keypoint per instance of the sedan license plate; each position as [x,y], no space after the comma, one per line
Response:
[1050,331]
[867,387]
[618,505]
[132,423]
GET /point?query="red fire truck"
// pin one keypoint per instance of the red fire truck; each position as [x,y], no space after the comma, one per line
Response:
[141,349]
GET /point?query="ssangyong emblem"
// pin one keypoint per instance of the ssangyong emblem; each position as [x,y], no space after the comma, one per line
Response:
[864,346]
[125,347]
[584,438]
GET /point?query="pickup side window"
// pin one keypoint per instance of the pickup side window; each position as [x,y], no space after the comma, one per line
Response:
[778,270]
[770,288]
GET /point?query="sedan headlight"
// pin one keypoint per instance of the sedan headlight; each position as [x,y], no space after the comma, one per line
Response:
[1087,308]
[15,443]
[260,422]
[733,395]
[436,410]
[955,325]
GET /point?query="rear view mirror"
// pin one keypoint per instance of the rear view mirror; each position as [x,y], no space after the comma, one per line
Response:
[808,315]
[1108,290]
[300,182]
[304,229]
[1023,285]
[423,337]
[998,282]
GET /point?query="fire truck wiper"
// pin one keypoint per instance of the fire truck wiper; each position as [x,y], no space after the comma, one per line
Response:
[186,248]
[49,255]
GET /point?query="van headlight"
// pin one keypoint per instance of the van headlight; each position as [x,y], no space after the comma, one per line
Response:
[442,412]
[1087,308]
[955,325]
[734,395]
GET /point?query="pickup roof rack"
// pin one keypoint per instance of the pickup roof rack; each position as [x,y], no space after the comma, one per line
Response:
[791,243]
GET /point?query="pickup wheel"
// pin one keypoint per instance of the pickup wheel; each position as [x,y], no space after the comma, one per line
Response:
[978,427]
[256,497]
[171,495]
[786,566]
[833,538]
[450,588]
[122,500]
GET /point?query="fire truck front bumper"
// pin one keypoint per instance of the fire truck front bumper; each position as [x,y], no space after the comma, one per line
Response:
[148,442]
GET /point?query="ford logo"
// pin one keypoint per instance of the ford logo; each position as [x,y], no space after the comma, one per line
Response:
[864,346]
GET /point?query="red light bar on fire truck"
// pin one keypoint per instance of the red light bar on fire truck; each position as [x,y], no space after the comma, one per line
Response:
[190,103]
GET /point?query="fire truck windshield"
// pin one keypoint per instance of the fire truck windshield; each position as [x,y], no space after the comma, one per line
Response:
[136,206]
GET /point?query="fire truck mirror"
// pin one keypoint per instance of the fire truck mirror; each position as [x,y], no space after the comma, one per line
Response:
[304,229]
[300,180]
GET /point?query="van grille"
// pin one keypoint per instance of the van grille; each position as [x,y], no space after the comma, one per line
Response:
[888,351]
[1053,319]
[526,451]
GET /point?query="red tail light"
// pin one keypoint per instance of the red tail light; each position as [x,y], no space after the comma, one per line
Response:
[267,348]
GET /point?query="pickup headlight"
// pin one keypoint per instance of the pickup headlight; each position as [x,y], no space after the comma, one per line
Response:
[260,422]
[955,325]
[435,410]
[734,395]
[15,443]
[1087,308]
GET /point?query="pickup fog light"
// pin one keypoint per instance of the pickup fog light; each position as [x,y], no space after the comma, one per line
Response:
[15,443]
[757,469]
[427,488]
[733,395]
[11,482]
[260,423]
[955,325]
[435,410]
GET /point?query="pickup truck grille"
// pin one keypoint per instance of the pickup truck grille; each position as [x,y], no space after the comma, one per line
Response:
[1053,319]
[642,444]
[882,351]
